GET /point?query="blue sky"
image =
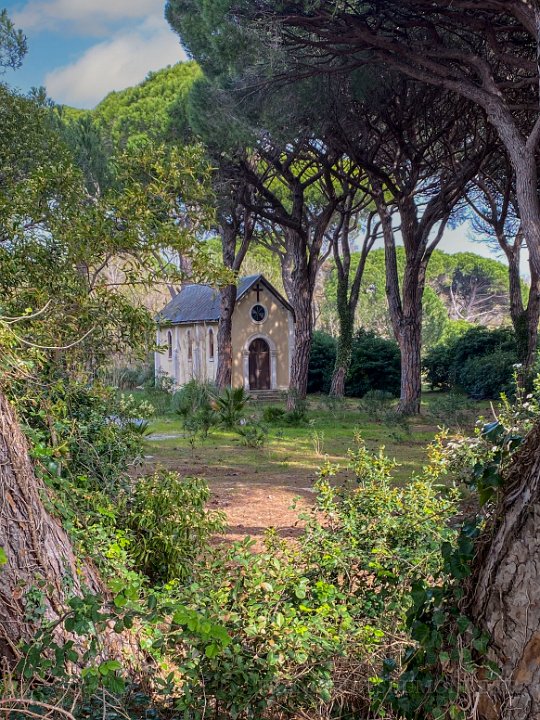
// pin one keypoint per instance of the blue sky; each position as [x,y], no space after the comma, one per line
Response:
[80,50]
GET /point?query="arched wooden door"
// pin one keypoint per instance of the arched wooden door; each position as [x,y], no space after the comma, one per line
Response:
[259,365]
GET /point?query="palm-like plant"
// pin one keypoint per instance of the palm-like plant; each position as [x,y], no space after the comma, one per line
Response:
[230,406]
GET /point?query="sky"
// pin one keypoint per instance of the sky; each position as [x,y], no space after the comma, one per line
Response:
[80,50]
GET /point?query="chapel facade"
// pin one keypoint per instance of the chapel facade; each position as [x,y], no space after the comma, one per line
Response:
[262,336]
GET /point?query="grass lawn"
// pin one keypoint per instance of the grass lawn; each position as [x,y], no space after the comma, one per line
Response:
[257,487]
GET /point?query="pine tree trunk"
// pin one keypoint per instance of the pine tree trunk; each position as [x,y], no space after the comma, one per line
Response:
[343,352]
[410,344]
[533,318]
[503,596]
[38,551]
[303,334]
[225,354]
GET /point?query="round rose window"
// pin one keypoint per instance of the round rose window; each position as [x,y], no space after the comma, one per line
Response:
[258,313]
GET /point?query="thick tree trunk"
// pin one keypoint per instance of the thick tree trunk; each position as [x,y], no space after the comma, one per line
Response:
[405,309]
[344,349]
[303,334]
[39,553]
[503,595]
[533,318]
[299,285]
[524,319]
[225,354]
[410,344]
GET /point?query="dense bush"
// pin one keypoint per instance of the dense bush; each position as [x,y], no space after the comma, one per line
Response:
[479,362]
[321,362]
[87,434]
[169,524]
[301,620]
[194,403]
[375,365]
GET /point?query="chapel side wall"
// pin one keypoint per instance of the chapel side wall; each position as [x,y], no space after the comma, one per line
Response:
[180,368]
[276,326]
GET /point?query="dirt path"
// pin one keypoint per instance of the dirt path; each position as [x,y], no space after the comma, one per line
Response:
[252,503]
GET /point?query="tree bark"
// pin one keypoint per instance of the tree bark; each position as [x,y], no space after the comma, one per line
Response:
[303,335]
[344,348]
[405,303]
[503,595]
[410,344]
[38,550]
[525,319]
[225,354]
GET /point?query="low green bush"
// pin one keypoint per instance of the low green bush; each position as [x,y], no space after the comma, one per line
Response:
[452,409]
[376,402]
[252,435]
[230,406]
[301,618]
[273,414]
[194,403]
[169,524]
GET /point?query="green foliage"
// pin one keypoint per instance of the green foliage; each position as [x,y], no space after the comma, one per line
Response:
[375,365]
[273,413]
[294,612]
[194,402]
[452,409]
[86,435]
[12,43]
[321,362]
[170,525]
[480,362]
[252,434]
[155,109]
[458,285]
[376,402]
[230,406]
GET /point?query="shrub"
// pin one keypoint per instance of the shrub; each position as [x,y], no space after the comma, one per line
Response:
[375,365]
[488,376]
[479,362]
[170,524]
[193,402]
[302,619]
[273,414]
[376,402]
[321,362]
[252,435]
[230,406]
[86,434]
[452,410]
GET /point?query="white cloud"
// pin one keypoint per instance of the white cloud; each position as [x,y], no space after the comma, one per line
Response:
[89,17]
[115,64]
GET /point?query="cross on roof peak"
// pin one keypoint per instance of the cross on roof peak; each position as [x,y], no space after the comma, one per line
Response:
[258,289]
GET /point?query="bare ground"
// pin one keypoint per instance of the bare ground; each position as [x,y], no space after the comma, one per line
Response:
[252,506]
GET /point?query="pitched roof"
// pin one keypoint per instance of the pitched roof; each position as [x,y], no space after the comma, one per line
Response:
[201,303]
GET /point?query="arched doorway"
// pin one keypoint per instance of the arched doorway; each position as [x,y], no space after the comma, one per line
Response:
[259,365]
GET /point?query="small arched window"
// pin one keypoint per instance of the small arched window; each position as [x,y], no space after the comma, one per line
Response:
[189,346]
[169,344]
[211,344]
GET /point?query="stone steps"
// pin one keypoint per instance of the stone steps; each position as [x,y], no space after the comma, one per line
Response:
[269,396]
